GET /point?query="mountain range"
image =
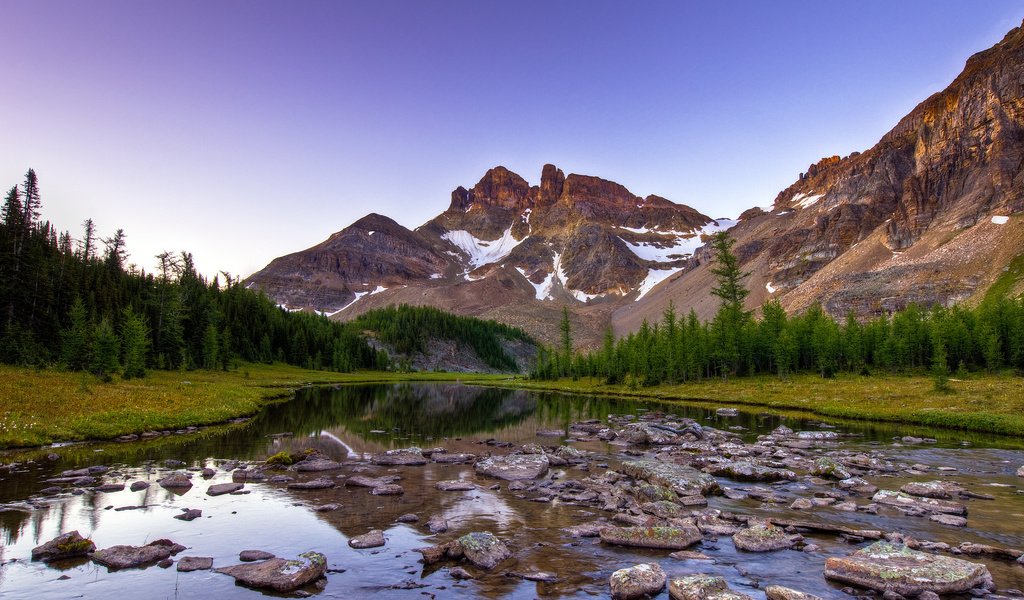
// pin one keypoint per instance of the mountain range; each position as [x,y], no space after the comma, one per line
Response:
[929,214]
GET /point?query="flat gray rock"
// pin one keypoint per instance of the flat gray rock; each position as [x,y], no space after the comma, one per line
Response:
[219,489]
[682,479]
[188,564]
[130,557]
[254,555]
[640,581]
[316,465]
[278,574]
[401,457]
[702,587]
[373,539]
[887,567]
[455,485]
[484,549]
[669,538]
[316,484]
[176,481]
[514,467]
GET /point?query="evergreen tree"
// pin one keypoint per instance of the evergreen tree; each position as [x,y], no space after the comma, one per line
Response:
[135,344]
[76,340]
[105,349]
[211,348]
[88,240]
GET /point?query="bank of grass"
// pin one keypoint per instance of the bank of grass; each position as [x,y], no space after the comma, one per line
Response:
[43,406]
[986,403]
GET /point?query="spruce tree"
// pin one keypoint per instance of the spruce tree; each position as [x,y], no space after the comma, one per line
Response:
[135,344]
[105,349]
[76,340]
[211,348]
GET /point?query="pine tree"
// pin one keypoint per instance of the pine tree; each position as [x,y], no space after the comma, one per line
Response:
[211,350]
[88,239]
[76,340]
[116,252]
[12,211]
[105,349]
[135,343]
[565,328]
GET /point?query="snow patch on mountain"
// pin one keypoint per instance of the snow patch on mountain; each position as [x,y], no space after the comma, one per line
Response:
[482,252]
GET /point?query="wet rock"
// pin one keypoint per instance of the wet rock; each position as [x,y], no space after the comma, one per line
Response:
[586,530]
[373,539]
[1020,472]
[514,467]
[219,489]
[671,538]
[801,504]
[640,581]
[408,518]
[702,587]
[817,435]
[370,482]
[317,484]
[189,514]
[171,463]
[176,481]
[66,545]
[401,457]
[830,468]
[651,492]
[254,555]
[951,520]
[460,573]
[446,458]
[777,592]
[434,554]
[188,564]
[884,566]
[483,549]
[130,557]
[316,465]
[927,505]
[455,485]
[689,555]
[329,507]
[138,486]
[663,509]
[711,523]
[762,536]
[727,412]
[207,473]
[943,490]
[279,574]
[437,524]
[748,471]
[684,480]
[110,487]
[391,489]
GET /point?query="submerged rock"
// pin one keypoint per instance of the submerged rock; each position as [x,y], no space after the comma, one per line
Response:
[514,467]
[130,557]
[279,574]
[639,581]
[317,484]
[455,485]
[702,587]
[670,538]
[189,514]
[888,567]
[254,555]
[65,545]
[195,563]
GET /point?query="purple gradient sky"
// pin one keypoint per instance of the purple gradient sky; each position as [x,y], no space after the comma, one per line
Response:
[243,130]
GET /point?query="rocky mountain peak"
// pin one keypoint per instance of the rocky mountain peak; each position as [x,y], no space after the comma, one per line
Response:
[552,181]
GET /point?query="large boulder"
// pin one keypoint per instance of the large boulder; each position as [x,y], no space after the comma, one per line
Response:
[684,480]
[514,467]
[278,574]
[671,538]
[640,581]
[831,468]
[942,490]
[66,545]
[484,549]
[888,567]
[702,587]
[316,465]
[748,471]
[131,557]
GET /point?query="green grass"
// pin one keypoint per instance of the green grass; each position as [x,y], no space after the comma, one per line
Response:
[1007,281]
[986,403]
[43,406]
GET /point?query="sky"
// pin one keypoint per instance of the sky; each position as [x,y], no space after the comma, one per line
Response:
[242,130]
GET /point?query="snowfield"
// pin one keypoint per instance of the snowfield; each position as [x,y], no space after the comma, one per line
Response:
[482,252]
[677,244]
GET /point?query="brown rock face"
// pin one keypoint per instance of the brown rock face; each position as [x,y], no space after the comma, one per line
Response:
[908,220]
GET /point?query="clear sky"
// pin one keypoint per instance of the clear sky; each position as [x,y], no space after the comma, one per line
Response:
[243,130]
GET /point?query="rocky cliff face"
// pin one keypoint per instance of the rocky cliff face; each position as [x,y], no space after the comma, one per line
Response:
[926,215]
[502,247]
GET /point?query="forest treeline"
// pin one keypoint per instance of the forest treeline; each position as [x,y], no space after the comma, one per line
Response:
[76,303]
[681,348]
[410,329]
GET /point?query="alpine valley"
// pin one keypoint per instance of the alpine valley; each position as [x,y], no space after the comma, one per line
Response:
[928,215]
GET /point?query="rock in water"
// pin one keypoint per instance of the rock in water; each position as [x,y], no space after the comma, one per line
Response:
[484,549]
[702,587]
[684,480]
[669,538]
[373,539]
[404,456]
[195,563]
[637,582]
[315,465]
[254,555]
[176,481]
[777,592]
[928,505]
[219,489]
[455,485]
[279,574]
[1020,472]
[130,557]
[514,467]
[762,536]
[66,545]
[888,567]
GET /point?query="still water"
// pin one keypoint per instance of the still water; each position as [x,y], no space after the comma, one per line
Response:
[351,423]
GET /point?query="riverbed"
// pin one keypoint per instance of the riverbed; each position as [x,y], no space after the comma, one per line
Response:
[352,425]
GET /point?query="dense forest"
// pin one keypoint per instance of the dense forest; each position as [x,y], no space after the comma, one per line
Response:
[681,348]
[408,330]
[76,303]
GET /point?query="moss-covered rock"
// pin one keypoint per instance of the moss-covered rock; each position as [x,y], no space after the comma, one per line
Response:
[702,587]
[639,581]
[888,567]
[670,538]
[66,545]
[762,536]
